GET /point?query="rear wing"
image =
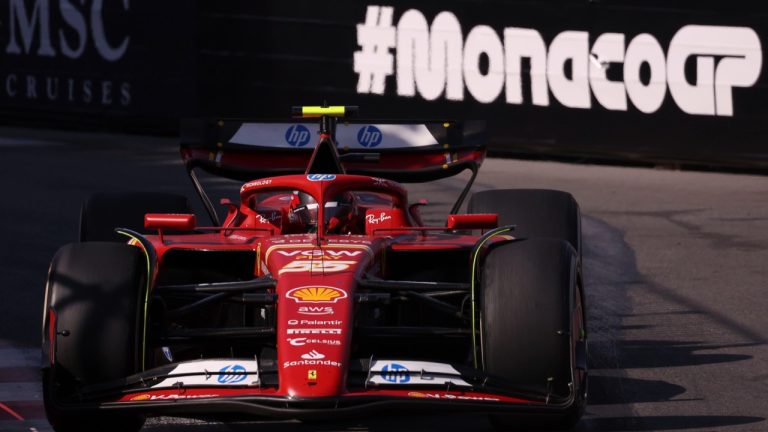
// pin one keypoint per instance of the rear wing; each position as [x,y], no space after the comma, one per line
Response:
[403,151]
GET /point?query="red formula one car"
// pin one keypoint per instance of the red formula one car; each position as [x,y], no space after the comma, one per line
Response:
[321,294]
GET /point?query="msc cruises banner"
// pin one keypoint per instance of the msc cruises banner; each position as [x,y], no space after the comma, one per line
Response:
[659,80]
[92,61]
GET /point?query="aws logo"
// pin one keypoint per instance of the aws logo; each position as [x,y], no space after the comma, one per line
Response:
[320,294]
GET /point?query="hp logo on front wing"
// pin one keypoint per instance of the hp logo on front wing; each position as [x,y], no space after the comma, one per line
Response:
[232,374]
[396,373]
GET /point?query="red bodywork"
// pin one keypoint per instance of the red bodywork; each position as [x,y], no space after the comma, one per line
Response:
[316,274]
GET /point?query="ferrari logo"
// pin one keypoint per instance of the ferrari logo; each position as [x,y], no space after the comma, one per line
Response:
[312,374]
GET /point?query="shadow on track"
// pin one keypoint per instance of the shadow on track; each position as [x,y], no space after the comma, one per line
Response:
[664,423]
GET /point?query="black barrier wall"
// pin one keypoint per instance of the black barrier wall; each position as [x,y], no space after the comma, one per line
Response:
[657,80]
[97,63]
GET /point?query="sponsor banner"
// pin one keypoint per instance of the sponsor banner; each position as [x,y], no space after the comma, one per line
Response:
[408,49]
[87,60]
[655,82]
[414,373]
[672,82]
[229,372]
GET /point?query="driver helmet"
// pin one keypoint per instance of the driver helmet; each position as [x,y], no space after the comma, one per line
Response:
[304,209]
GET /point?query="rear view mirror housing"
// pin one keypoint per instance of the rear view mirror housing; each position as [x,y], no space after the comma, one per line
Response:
[472,221]
[167,221]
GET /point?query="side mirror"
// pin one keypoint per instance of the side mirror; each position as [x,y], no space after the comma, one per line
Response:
[161,221]
[472,221]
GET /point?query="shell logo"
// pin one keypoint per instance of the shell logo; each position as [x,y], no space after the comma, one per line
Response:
[316,294]
[141,397]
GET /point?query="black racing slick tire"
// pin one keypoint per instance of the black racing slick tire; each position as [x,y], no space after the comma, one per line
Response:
[534,212]
[531,324]
[92,330]
[104,212]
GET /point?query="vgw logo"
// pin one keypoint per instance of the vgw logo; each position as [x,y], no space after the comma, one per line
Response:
[369,136]
[232,374]
[297,135]
[396,373]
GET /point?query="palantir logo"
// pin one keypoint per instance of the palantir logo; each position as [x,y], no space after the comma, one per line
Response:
[395,373]
[232,374]
[297,135]
[369,136]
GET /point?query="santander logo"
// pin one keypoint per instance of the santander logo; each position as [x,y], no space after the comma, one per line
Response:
[313,355]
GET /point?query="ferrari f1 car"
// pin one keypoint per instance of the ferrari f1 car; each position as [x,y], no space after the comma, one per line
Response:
[321,293]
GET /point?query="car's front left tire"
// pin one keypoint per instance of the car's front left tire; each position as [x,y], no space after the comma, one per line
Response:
[530,317]
[92,330]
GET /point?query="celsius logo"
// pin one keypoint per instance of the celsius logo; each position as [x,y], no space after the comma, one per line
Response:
[438,60]
[231,374]
[297,135]
[395,373]
[369,136]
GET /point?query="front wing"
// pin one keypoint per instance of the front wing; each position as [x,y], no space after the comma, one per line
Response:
[228,388]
